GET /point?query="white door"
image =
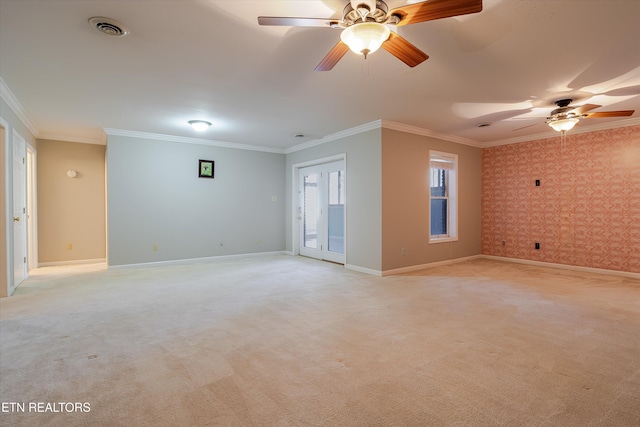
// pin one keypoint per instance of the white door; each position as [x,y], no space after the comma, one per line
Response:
[32,210]
[322,211]
[309,209]
[19,210]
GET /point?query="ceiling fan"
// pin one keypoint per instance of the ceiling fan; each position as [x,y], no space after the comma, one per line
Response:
[565,117]
[364,27]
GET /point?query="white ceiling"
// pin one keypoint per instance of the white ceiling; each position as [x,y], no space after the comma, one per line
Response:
[210,60]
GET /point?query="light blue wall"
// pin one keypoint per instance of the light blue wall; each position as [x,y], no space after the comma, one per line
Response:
[363,192]
[156,197]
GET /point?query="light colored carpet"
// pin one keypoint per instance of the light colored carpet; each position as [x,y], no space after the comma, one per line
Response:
[289,341]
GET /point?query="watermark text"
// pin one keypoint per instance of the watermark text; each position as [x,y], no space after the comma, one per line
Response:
[45,407]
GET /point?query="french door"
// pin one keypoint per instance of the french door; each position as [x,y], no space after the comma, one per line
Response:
[322,211]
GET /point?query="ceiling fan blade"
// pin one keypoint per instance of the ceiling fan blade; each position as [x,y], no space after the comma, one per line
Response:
[399,47]
[296,22]
[603,114]
[584,108]
[434,9]
[332,58]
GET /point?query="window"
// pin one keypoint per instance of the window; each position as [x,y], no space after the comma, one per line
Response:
[443,197]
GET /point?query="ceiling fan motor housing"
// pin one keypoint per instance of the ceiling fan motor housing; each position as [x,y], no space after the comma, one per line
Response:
[563,110]
[365,11]
[563,102]
[369,5]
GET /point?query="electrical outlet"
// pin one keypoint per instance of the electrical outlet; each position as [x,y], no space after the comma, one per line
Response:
[537,183]
[537,245]
[403,251]
[69,246]
[155,246]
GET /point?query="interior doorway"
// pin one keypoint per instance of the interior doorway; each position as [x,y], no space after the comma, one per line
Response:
[17,196]
[322,211]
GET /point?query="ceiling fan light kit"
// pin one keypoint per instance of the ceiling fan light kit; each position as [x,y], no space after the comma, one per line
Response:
[365,28]
[563,125]
[565,117]
[365,38]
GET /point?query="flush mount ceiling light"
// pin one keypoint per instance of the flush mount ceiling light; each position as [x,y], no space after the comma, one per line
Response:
[563,125]
[199,125]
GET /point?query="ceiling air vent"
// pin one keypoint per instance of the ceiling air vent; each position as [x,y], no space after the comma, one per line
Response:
[108,26]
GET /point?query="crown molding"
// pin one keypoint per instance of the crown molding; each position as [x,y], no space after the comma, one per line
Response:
[427,132]
[81,140]
[577,130]
[377,124]
[189,140]
[387,124]
[16,107]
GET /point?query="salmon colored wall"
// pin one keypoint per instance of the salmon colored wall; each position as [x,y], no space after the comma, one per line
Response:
[586,212]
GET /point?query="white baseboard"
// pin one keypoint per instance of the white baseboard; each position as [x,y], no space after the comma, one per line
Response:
[429,265]
[364,270]
[194,260]
[72,262]
[505,259]
[564,266]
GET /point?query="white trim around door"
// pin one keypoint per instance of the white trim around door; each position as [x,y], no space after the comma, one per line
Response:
[319,209]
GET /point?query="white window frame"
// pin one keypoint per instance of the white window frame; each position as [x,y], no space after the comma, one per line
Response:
[449,162]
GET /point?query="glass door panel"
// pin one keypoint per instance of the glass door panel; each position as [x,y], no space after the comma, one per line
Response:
[310,210]
[322,190]
[335,220]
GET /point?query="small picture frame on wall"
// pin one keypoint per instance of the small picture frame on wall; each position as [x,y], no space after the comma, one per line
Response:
[205,168]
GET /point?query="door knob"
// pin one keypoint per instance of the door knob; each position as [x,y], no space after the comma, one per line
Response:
[16,218]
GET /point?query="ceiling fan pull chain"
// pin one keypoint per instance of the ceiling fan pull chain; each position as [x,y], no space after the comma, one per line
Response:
[365,67]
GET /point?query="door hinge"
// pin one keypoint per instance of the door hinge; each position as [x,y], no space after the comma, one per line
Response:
[24,260]
[24,210]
